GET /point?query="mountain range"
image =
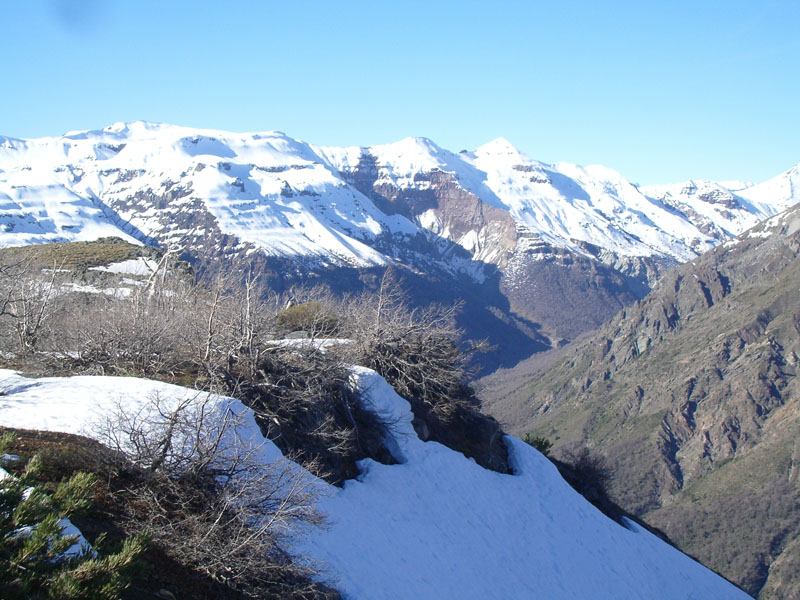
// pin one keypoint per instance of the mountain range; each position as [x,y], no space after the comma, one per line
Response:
[692,394]
[539,253]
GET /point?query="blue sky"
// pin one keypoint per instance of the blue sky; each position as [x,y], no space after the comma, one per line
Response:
[660,91]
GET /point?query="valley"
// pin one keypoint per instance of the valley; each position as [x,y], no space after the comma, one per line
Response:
[691,393]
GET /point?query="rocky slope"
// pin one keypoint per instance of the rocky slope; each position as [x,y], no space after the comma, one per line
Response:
[540,252]
[692,394]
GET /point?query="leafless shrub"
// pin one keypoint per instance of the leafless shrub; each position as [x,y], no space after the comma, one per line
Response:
[416,350]
[28,303]
[304,399]
[232,318]
[204,493]
[419,351]
[588,472]
[128,331]
[220,336]
[125,335]
[168,326]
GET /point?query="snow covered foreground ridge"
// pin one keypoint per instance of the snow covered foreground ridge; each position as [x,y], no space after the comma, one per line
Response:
[192,187]
[434,526]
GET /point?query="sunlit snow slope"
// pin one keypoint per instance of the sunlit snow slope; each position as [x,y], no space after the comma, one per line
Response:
[206,190]
[434,526]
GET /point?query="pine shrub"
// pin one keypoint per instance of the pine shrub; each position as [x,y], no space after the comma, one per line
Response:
[37,560]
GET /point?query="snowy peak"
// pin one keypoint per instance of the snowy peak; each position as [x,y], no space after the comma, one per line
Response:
[500,147]
[134,128]
[725,209]
[782,191]
[402,160]
[410,146]
[285,197]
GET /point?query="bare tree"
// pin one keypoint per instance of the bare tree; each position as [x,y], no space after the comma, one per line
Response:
[420,352]
[233,316]
[140,332]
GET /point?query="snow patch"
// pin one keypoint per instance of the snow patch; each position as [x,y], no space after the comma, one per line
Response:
[440,526]
[134,266]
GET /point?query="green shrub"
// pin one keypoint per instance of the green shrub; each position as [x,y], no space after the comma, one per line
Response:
[311,317]
[541,443]
[34,558]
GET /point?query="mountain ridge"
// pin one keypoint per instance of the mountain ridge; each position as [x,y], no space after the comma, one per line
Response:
[577,189]
[522,237]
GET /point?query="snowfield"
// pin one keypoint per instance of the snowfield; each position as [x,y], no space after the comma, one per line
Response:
[436,525]
[147,181]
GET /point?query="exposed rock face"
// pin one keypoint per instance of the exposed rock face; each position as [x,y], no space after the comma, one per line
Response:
[553,290]
[170,214]
[693,394]
[436,201]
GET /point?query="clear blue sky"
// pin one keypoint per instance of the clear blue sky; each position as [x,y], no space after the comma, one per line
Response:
[660,91]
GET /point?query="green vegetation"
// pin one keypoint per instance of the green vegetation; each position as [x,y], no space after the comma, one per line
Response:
[162,513]
[311,317]
[76,256]
[541,443]
[37,560]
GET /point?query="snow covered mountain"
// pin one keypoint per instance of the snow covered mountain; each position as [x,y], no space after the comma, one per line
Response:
[537,242]
[436,525]
[286,197]
[723,210]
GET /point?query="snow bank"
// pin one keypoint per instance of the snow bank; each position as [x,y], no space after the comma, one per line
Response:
[133,266]
[440,526]
[436,525]
[77,404]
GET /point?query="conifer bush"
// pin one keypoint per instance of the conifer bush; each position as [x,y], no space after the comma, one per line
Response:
[37,560]
[312,317]
[541,443]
